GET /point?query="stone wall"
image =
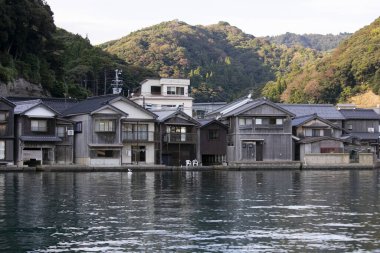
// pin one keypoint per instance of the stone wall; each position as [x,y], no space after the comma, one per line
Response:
[333,158]
[22,88]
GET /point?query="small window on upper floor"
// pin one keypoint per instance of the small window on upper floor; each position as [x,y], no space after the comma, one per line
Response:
[213,134]
[78,127]
[245,121]
[175,90]
[155,90]
[259,121]
[61,131]
[349,126]
[38,125]
[279,121]
[3,116]
[104,125]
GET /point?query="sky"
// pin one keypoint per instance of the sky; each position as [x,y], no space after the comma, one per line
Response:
[103,20]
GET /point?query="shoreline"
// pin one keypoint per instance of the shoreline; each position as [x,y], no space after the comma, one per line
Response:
[272,166]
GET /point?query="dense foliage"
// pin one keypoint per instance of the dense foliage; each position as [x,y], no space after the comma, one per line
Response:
[315,41]
[221,61]
[31,47]
[350,69]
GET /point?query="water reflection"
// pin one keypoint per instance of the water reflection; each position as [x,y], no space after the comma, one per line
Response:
[190,211]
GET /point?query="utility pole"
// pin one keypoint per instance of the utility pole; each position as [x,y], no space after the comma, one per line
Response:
[117,83]
[105,82]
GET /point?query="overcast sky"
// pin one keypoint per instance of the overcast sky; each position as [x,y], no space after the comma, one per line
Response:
[105,20]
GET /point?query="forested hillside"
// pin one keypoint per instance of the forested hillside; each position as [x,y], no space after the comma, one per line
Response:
[221,60]
[352,68]
[31,47]
[315,41]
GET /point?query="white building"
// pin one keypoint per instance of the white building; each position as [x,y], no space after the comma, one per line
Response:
[164,93]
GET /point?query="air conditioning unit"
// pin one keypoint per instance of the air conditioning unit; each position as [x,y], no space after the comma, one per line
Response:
[70,132]
[371,130]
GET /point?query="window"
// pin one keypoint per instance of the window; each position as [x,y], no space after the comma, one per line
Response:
[78,127]
[371,130]
[3,129]
[180,90]
[279,121]
[61,131]
[272,121]
[155,90]
[135,132]
[39,125]
[213,134]
[245,121]
[2,150]
[105,153]
[316,132]
[175,91]
[104,125]
[259,121]
[349,126]
[171,91]
[3,116]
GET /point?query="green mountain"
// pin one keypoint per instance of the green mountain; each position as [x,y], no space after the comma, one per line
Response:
[315,41]
[32,48]
[221,61]
[350,69]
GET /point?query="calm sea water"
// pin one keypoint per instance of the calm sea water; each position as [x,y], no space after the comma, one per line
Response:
[259,211]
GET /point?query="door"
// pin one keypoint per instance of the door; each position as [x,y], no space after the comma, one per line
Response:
[138,154]
[259,151]
[249,151]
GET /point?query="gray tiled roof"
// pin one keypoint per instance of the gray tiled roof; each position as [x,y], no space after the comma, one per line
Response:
[90,104]
[163,114]
[365,136]
[299,120]
[325,111]
[360,114]
[23,106]
[319,138]
[57,104]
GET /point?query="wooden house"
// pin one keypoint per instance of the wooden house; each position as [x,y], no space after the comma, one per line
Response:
[258,130]
[362,127]
[7,136]
[42,135]
[111,130]
[212,142]
[316,137]
[179,138]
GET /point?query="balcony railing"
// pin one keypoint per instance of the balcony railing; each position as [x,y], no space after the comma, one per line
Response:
[129,136]
[180,138]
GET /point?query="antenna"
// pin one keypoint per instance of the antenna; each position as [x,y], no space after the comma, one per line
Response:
[117,83]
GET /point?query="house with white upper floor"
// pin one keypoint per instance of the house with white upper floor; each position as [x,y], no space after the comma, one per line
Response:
[164,94]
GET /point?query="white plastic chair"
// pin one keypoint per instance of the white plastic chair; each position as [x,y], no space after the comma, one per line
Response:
[188,163]
[195,162]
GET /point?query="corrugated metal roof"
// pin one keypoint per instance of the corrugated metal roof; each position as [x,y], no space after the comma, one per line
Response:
[325,111]
[360,114]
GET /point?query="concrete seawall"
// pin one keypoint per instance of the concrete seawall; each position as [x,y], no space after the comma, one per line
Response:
[240,167]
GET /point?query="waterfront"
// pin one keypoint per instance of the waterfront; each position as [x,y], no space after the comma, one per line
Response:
[223,211]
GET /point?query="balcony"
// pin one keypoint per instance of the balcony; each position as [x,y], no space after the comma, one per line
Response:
[180,138]
[139,136]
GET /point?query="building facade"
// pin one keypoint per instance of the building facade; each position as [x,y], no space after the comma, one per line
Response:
[112,130]
[7,135]
[164,94]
